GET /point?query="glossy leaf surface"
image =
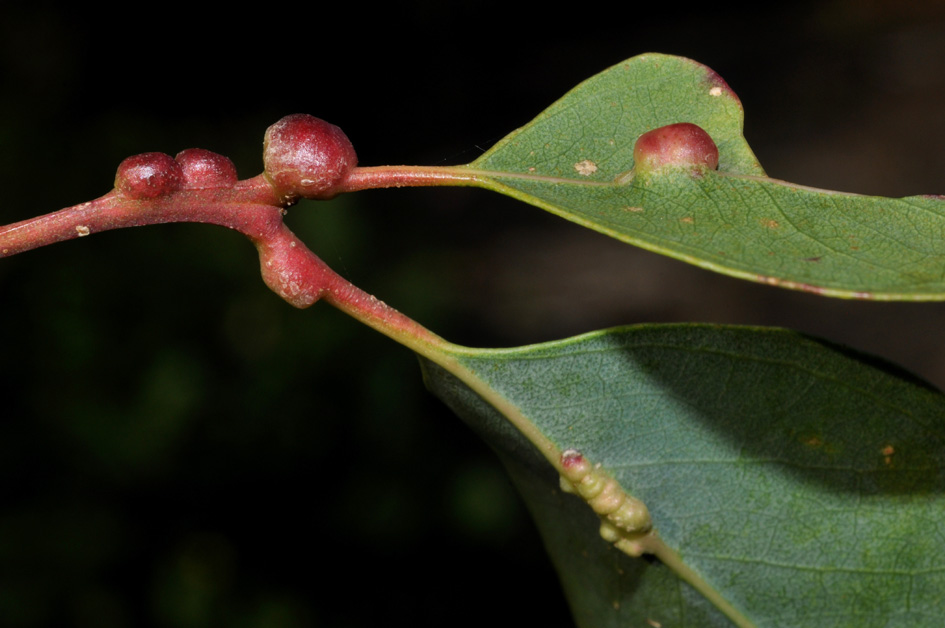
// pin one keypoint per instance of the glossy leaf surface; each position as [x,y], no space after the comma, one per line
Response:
[576,160]
[800,481]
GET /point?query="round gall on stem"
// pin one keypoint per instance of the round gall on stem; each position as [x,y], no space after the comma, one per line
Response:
[289,268]
[681,144]
[306,156]
[148,175]
[203,169]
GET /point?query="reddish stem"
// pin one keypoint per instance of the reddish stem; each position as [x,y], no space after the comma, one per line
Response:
[407,176]
[251,207]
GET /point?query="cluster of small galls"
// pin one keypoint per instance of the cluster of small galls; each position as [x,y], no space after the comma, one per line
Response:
[304,156]
[624,519]
[150,175]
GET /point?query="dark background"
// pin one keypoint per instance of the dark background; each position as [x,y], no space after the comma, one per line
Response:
[178,447]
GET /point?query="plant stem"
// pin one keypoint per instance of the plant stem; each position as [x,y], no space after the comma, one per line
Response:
[381,317]
[250,207]
[408,176]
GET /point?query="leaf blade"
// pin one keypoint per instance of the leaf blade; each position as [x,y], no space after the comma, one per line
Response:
[576,160]
[801,503]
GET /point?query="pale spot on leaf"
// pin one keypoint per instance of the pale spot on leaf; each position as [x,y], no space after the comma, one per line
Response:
[715,91]
[585,168]
[770,224]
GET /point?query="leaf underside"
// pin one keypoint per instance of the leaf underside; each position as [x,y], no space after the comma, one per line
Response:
[801,482]
[576,159]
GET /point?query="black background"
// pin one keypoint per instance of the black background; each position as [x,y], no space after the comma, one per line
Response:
[180,448]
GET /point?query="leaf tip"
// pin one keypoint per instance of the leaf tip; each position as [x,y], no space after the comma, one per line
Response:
[717,86]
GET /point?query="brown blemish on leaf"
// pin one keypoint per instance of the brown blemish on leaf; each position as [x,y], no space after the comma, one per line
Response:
[888,452]
[688,220]
[812,259]
[585,168]
[816,442]
[770,223]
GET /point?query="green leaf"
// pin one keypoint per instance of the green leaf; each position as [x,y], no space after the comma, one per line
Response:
[799,481]
[576,160]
